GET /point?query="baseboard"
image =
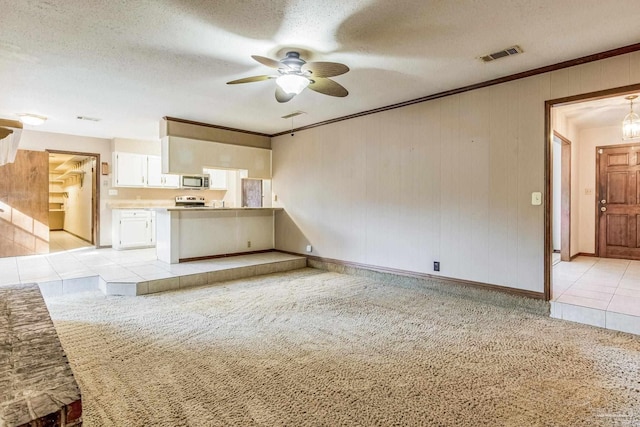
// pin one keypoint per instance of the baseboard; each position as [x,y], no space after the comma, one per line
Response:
[386,270]
[201,258]
[582,254]
[75,235]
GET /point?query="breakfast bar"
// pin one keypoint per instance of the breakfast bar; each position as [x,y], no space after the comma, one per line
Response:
[186,233]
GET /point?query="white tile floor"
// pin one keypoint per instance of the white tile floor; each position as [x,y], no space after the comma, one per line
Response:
[82,269]
[60,240]
[602,292]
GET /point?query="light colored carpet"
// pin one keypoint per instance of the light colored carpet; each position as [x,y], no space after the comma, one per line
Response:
[316,348]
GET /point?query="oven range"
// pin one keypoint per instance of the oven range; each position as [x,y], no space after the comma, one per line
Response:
[190,201]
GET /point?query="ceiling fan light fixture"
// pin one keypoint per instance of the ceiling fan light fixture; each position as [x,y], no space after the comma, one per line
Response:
[292,84]
[631,122]
[32,119]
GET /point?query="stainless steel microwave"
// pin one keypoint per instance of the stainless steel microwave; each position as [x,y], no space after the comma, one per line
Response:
[194,182]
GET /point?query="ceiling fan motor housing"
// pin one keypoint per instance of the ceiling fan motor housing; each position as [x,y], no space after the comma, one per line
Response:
[293,61]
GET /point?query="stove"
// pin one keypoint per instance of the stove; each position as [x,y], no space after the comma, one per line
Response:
[190,201]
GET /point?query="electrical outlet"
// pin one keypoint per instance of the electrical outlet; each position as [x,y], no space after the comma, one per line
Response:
[436,265]
[309,248]
[248,243]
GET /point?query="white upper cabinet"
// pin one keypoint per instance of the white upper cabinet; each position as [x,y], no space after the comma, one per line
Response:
[130,170]
[218,180]
[141,170]
[155,177]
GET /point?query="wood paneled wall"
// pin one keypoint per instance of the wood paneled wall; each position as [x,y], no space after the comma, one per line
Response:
[447,180]
[24,204]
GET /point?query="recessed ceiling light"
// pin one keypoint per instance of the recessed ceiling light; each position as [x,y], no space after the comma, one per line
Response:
[32,119]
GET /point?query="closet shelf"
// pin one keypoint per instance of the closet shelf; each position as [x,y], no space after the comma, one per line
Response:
[69,174]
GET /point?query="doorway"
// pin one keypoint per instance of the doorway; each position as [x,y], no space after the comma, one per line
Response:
[618,201]
[588,121]
[73,200]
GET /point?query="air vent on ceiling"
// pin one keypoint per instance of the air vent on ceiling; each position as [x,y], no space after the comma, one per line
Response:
[295,113]
[89,119]
[513,50]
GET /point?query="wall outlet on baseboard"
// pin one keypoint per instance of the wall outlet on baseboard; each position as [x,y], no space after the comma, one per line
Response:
[309,248]
[436,265]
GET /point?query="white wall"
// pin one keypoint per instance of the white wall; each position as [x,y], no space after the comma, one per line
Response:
[41,141]
[589,140]
[569,131]
[447,180]
[77,215]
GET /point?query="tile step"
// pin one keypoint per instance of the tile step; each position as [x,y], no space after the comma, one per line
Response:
[596,317]
[130,288]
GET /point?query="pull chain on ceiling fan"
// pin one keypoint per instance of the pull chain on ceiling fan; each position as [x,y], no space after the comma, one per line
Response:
[295,74]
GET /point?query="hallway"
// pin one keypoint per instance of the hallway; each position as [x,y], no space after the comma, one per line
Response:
[602,292]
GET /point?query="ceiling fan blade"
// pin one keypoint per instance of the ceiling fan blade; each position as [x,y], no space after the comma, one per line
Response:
[325,69]
[250,79]
[283,96]
[269,62]
[328,87]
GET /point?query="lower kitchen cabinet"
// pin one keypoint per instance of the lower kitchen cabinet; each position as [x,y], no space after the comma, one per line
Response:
[133,228]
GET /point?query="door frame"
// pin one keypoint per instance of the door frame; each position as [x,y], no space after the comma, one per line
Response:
[565,196]
[95,190]
[548,166]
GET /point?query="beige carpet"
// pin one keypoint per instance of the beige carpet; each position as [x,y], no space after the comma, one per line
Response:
[312,348]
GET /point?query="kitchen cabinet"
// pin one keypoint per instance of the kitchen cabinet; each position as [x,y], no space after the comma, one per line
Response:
[155,177]
[218,179]
[141,170]
[130,170]
[133,228]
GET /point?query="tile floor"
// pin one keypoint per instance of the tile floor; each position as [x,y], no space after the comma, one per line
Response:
[602,292]
[596,291]
[60,240]
[86,269]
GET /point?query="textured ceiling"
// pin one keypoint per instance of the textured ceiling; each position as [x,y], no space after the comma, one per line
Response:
[130,63]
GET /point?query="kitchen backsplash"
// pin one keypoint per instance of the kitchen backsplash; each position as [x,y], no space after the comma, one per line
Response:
[150,197]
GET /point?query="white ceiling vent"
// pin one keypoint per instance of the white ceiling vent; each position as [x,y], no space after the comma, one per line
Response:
[295,113]
[89,119]
[513,50]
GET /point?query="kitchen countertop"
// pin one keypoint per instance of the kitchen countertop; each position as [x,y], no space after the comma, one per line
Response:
[210,208]
[183,208]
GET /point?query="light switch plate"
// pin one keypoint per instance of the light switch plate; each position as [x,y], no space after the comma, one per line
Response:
[536,198]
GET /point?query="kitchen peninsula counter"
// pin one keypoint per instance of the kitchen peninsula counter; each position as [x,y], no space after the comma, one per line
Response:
[208,208]
[187,233]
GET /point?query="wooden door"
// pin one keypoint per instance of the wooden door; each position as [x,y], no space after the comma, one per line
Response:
[618,201]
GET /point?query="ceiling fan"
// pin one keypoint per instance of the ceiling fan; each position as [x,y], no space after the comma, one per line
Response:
[295,74]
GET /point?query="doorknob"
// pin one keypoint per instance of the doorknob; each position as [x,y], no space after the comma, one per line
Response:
[603,209]
[603,201]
